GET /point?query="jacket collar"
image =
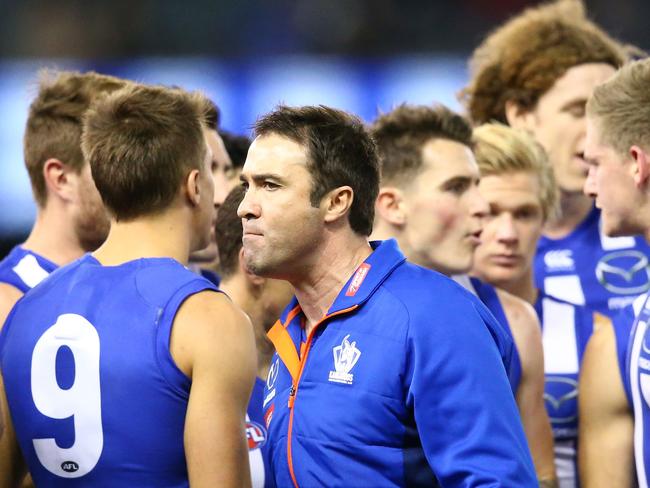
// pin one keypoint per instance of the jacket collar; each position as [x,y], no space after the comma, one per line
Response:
[363,283]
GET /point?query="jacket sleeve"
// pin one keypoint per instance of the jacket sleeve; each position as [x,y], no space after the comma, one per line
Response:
[463,405]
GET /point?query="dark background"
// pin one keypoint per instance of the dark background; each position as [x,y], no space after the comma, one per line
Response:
[100,31]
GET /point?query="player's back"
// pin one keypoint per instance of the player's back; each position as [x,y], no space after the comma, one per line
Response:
[95,396]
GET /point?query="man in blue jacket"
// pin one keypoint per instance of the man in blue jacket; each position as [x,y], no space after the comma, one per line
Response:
[386,374]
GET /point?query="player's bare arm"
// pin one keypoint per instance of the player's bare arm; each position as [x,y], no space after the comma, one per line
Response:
[213,343]
[605,452]
[530,394]
[9,295]
[12,465]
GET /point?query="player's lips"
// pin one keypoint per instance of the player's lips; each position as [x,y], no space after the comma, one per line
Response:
[505,259]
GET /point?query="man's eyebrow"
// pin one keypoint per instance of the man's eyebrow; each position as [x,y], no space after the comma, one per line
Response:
[263,176]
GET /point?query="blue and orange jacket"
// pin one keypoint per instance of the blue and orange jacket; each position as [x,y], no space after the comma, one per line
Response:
[402,383]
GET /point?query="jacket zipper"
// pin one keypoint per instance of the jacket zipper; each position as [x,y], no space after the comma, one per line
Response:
[293,391]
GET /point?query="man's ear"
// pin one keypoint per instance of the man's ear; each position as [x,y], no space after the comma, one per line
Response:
[252,280]
[390,205]
[59,179]
[337,203]
[642,166]
[192,187]
[518,117]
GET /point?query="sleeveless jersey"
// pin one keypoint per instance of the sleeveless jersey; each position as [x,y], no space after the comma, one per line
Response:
[566,329]
[257,437]
[95,396]
[488,295]
[588,268]
[637,383]
[24,269]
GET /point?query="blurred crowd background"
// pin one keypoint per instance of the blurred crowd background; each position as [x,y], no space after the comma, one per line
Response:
[249,55]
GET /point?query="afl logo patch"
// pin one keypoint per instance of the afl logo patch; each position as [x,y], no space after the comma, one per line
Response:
[69,466]
[256,435]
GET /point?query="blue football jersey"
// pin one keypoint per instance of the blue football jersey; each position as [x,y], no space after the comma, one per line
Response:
[588,268]
[257,437]
[95,396]
[24,269]
[636,379]
[566,329]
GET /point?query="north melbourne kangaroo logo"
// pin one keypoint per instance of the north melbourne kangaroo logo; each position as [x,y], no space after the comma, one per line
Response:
[345,357]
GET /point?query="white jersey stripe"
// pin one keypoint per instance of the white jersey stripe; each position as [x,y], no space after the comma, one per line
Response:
[566,288]
[559,336]
[30,271]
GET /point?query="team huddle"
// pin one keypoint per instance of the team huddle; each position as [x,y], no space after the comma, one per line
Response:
[430,299]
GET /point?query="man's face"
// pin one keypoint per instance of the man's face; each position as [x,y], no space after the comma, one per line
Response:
[444,208]
[512,228]
[282,230]
[558,122]
[611,183]
[221,169]
[91,220]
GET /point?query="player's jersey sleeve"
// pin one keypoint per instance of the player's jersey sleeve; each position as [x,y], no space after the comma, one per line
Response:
[464,408]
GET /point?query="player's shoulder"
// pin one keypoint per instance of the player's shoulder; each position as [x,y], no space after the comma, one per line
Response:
[207,321]
[208,307]
[158,281]
[523,321]
[519,312]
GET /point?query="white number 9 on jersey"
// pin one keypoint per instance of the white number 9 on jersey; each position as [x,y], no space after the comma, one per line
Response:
[82,400]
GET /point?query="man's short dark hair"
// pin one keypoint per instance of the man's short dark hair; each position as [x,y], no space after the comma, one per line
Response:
[236,147]
[401,133]
[340,153]
[229,232]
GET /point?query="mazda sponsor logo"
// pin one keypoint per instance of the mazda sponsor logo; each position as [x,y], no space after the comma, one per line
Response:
[624,272]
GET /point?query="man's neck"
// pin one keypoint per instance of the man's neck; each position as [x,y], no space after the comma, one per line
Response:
[524,287]
[235,287]
[574,208]
[159,236]
[53,237]
[317,291]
